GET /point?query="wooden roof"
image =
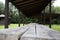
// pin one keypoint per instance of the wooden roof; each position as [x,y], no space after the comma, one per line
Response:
[2,15]
[30,7]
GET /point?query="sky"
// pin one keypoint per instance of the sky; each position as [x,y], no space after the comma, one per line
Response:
[56,3]
[3,1]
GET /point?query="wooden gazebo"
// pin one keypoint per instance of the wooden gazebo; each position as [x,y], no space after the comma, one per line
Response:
[29,8]
[2,19]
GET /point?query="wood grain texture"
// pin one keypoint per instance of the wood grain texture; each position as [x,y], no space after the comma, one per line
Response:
[31,31]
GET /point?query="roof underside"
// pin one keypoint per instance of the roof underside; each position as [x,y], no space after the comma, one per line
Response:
[30,7]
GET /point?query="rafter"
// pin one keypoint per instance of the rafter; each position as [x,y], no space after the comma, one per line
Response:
[23,2]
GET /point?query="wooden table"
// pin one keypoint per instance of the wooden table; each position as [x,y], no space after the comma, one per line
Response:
[31,31]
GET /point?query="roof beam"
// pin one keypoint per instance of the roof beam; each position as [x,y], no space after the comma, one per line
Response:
[23,2]
[18,0]
[30,4]
[27,3]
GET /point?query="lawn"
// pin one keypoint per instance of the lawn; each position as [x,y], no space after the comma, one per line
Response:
[11,26]
[54,26]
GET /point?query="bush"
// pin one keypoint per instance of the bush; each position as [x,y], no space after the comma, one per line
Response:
[54,21]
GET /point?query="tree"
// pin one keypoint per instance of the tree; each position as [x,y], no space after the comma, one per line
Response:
[1,8]
[57,9]
[13,13]
[47,9]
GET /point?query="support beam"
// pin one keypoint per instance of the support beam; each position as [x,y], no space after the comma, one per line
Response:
[23,20]
[44,17]
[6,12]
[41,19]
[50,15]
[57,19]
[23,24]
[19,19]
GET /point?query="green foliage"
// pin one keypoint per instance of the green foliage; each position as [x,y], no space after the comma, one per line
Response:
[57,9]
[53,9]
[54,21]
[31,20]
[1,8]
[13,13]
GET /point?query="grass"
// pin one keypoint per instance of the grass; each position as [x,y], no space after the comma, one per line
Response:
[11,26]
[54,26]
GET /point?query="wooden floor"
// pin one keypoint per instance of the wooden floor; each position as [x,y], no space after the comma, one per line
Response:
[32,31]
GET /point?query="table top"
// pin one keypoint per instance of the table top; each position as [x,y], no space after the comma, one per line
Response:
[32,31]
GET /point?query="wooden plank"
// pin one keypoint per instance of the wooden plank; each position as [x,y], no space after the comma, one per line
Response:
[12,34]
[18,0]
[25,2]
[30,34]
[43,33]
[31,3]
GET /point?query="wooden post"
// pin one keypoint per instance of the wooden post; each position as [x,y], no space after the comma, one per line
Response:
[44,17]
[19,19]
[58,19]
[23,20]
[50,15]
[6,12]
[41,19]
